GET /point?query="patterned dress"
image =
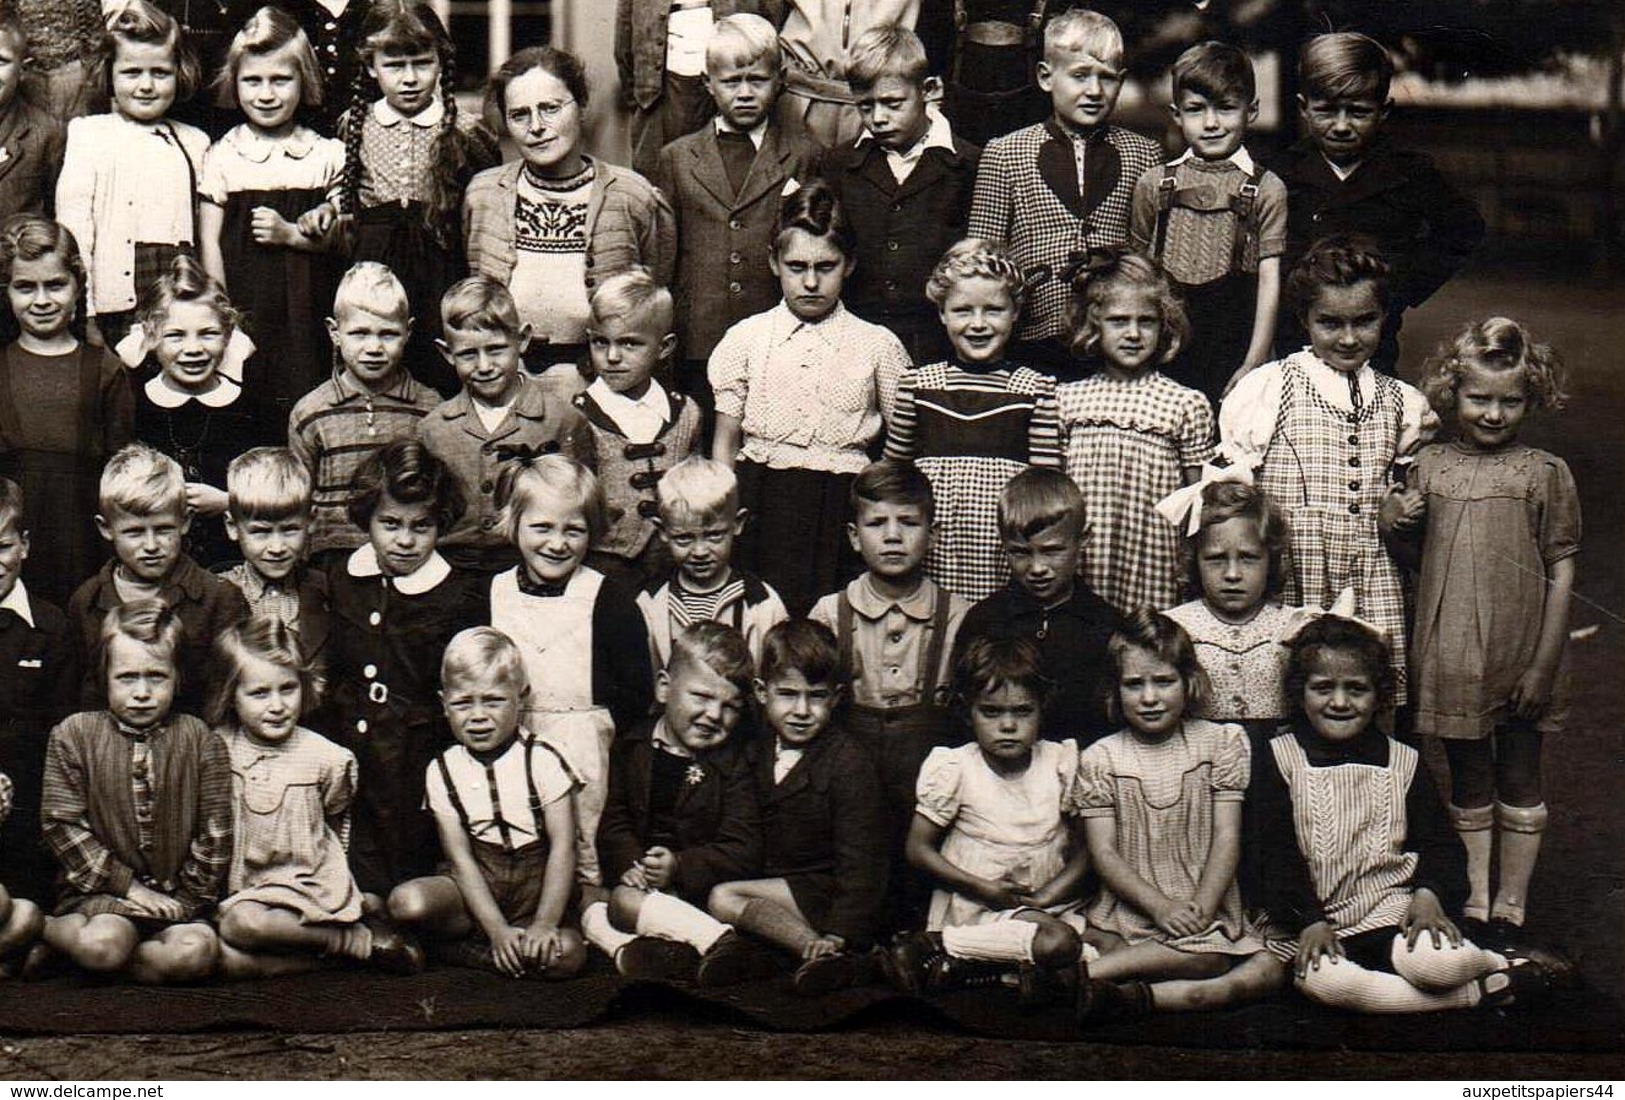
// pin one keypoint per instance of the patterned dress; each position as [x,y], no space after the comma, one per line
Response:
[1327,465]
[1245,662]
[1496,523]
[291,825]
[998,826]
[1162,798]
[969,432]
[1126,443]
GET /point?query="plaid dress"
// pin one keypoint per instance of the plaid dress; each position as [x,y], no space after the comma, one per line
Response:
[969,432]
[1125,444]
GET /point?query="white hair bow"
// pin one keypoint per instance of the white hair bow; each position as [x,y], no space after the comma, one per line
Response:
[1183,507]
[132,351]
[1343,607]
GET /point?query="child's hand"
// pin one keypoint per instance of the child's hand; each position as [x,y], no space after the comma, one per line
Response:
[1427,915]
[318,221]
[636,877]
[659,867]
[999,895]
[508,950]
[155,904]
[827,944]
[1179,918]
[271,228]
[542,946]
[1401,510]
[1532,692]
[206,500]
[1316,942]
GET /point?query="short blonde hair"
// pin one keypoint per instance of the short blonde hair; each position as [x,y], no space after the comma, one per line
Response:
[267,483]
[522,481]
[742,39]
[479,304]
[886,51]
[373,287]
[1089,31]
[974,258]
[715,646]
[141,481]
[481,654]
[633,293]
[698,488]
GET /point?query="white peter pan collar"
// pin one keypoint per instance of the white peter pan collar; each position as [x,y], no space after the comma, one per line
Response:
[165,396]
[385,115]
[426,577]
[258,150]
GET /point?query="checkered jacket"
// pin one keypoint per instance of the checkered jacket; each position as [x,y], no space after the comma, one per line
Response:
[1027,195]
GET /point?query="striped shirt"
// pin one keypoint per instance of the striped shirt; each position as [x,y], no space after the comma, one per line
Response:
[333,429]
[967,402]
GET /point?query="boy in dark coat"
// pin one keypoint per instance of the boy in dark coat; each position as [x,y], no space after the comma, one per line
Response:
[823,820]
[680,817]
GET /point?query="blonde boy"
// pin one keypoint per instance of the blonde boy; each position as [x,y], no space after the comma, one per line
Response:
[268,511]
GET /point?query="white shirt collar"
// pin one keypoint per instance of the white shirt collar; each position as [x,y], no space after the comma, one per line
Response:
[431,115]
[1339,171]
[256,149]
[755,133]
[1241,158]
[364,563]
[938,135]
[651,408]
[666,741]
[17,600]
[165,396]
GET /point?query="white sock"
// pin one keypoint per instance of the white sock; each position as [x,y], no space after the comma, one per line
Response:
[672,918]
[1440,968]
[1347,984]
[1001,941]
[599,932]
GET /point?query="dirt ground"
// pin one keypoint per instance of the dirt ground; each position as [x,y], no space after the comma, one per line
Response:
[1579,891]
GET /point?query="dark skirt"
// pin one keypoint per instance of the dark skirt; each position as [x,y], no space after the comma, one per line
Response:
[795,536]
[399,237]
[284,296]
[59,494]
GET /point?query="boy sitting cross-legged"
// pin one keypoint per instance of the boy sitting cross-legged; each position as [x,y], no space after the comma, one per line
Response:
[681,817]
[699,519]
[823,820]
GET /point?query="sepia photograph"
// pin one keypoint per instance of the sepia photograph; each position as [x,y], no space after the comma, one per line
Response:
[734,540]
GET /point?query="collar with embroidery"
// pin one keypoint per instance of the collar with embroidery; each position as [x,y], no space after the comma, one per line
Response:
[426,577]
[430,116]
[1241,158]
[258,149]
[17,601]
[166,396]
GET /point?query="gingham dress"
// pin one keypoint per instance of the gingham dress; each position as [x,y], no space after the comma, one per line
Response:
[1126,442]
[969,432]
[1328,470]
[1162,797]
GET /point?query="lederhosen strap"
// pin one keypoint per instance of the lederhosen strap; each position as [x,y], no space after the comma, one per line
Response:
[843,633]
[1032,36]
[1243,204]
[1165,202]
[451,792]
[930,673]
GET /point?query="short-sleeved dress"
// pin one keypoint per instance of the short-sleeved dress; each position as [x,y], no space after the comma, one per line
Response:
[282,293]
[1126,442]
[291,822]
[998,827]
[969,432]
[1245,663]
[1162,798]
[1496,523]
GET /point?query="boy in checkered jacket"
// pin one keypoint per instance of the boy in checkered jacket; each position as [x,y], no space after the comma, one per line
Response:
[1057,193]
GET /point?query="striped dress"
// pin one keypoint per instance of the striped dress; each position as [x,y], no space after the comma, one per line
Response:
[969,432]
[1126,443]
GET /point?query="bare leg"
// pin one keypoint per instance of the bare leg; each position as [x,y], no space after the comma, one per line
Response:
[571,958]
[179,953]
[103,943]
[1249,980]
[433,905]
[252,927]
[1152,960]
[1056,944]
[237,965]
[20,926]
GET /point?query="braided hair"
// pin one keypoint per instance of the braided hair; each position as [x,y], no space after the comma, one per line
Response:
[411,26]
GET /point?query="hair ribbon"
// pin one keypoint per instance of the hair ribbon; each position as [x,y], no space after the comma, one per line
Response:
[1343,607]
[1183,507]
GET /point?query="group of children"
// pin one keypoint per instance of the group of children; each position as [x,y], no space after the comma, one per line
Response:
[508,647]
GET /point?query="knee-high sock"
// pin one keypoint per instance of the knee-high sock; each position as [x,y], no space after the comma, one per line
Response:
[599,932]
[1474,824]
[775,924]
[1521,829]
[1347,984]
[671,918]
[1000,941]
[1440,969]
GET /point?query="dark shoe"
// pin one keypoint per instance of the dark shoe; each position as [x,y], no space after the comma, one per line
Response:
[653,959]
[470,954]
[828,973]
[1500,932]
[1559,968]
[1528,984]
[1476,930]
[394,951]
[1101,1002]
[41,962]
[734,959]
[912,956]
[947,972]
[1042,986]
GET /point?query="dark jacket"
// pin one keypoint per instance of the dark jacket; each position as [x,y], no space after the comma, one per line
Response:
[902,229]
[32,142]
[640,42]
[825,827]
[1072,642]
[718,827]
[1426,228]
[723,239]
